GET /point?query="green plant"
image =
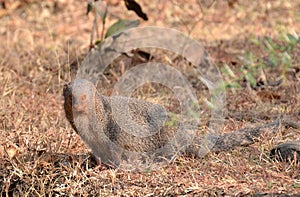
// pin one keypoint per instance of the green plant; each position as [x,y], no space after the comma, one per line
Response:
[278,56]
[99,9]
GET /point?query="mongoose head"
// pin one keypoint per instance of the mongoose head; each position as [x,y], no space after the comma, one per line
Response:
[83,95]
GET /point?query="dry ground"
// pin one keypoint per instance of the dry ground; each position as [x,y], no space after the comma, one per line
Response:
[41,155]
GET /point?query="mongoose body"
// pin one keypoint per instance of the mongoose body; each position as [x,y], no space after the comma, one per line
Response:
[109,133]
[115,127]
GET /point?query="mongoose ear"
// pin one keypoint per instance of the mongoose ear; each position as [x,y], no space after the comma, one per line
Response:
[66,91]
[74,69]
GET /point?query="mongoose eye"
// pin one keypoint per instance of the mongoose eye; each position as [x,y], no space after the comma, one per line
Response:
[83,97]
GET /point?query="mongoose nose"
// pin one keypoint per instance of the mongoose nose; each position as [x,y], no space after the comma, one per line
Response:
[79,108]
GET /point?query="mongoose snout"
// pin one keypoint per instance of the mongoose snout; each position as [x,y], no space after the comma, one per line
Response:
[79,104]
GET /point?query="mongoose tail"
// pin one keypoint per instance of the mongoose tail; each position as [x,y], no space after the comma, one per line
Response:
[230,140]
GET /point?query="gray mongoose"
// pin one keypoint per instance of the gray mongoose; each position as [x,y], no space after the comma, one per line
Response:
[90,115]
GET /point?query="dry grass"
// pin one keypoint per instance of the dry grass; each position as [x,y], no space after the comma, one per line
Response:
[41,155]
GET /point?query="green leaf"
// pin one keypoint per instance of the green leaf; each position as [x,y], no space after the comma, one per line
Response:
[233,84]
[251,79]
[273,59]
[269,45]
[121,25]
[286,60]
[255,41]
[293,39]
[98,42]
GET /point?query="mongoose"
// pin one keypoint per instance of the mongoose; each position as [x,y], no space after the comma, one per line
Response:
[91,116]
